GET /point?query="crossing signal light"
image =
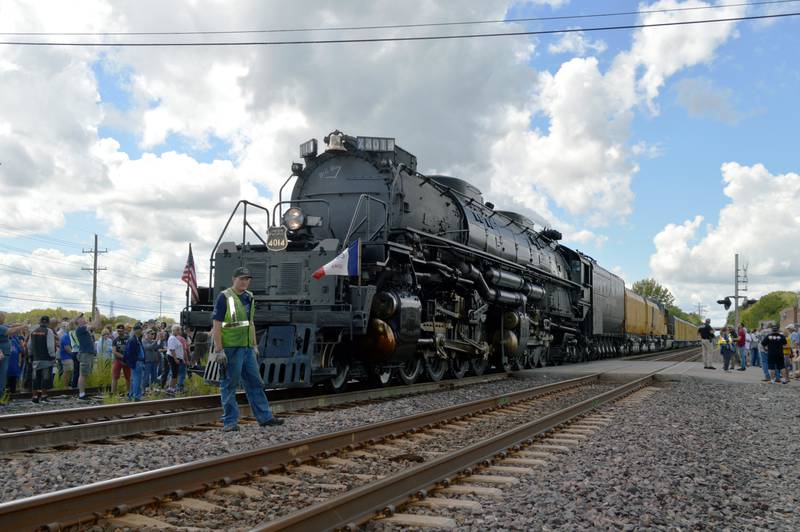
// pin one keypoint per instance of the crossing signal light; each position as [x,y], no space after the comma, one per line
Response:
[725,302]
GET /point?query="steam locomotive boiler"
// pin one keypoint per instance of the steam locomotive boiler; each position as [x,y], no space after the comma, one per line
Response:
[445,284]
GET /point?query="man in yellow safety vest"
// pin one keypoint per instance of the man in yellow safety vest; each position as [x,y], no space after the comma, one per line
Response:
[235,348]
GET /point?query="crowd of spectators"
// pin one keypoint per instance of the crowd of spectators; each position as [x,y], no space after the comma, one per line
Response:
[776,353]
[152,357]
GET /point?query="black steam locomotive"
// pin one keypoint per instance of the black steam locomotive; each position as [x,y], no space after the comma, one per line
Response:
[446,283]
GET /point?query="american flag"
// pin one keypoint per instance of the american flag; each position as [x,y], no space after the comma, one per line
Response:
[190,276]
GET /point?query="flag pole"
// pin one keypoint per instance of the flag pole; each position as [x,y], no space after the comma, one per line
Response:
[187,284]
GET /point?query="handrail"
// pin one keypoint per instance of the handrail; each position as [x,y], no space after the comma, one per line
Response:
[351,229]
[245,226]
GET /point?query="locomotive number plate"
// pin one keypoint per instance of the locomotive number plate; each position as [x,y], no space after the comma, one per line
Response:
[277,239]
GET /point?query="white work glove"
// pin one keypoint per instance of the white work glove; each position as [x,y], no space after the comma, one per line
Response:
[2,355]
[220,357]
[255,351]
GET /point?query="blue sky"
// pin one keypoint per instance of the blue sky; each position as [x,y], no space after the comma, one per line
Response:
[738,104]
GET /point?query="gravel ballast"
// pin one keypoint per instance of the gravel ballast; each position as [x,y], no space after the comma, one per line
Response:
[27,474]
[693,456]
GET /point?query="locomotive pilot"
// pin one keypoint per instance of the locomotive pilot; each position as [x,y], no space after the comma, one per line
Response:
[235,347]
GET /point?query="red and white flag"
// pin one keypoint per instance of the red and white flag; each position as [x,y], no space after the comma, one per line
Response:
[348,262]
[190,276]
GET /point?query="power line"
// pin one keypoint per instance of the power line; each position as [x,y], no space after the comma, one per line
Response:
[44,299]
[77,280]
[397,26]
[400,39]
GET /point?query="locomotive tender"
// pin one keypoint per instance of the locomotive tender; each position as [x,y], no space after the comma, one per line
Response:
[446,282]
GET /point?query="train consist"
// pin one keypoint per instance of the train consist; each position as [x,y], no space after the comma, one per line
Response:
[440,281]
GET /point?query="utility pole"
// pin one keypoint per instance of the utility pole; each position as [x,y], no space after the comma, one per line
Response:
[740,277]
[111,309]
[94,269]
[700,309]
[159,304]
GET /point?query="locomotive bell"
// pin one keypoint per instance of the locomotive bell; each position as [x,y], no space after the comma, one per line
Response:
[336,141]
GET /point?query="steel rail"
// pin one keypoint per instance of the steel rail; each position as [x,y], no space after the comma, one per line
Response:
[646,356]
[60,392]
[89,425]
[82,504]
[360,504]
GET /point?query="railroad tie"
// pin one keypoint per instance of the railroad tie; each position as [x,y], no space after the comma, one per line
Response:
[363,454]
[138,522]
[188,503]
[310,470]
[421,521]
[421,437]
[512,470]
[389,448]
[335,460]
[534,454]
[525,462]
[492,479]
[241,491]
[568,435]
[561,441]
[470,489]
[549,447]
[331,487]
[443,502]
[279,479]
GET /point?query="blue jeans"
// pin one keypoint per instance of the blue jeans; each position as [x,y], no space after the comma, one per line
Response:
[150,373]
[181,376]
[137,376]
[242,367]
[755,359]
[742,356]
[765,365]
[4,373]
[726,358]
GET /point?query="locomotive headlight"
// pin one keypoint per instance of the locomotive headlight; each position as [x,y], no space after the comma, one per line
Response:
[293,219]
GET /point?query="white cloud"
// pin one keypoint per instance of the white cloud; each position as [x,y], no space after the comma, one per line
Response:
[662,52]
[701,98]
[577,43]
[761,223]
[466,117]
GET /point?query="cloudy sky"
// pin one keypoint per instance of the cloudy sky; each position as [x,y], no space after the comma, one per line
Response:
[660,152]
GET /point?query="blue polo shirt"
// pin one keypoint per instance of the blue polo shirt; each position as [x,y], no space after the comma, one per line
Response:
[65,342]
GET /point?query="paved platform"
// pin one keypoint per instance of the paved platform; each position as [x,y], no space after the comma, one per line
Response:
[616,369]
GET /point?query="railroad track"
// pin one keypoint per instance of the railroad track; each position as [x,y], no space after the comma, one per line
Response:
[66,427]
[58,428]
[356,475]
[60,392]
[663,355]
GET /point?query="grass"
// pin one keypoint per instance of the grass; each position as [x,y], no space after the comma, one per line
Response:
[100,377]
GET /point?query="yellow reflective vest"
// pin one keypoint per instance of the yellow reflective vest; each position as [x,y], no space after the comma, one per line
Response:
[236,329]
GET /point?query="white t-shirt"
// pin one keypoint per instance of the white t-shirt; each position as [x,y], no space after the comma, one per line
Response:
[173,344]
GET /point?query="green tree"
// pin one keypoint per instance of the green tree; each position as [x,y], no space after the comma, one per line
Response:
[652,289]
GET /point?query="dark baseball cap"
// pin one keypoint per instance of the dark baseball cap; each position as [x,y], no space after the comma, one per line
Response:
[137,327]
[242,272]
[44,320]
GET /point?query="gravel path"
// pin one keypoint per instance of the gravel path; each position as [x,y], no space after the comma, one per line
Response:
[27,474]
[689,457]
